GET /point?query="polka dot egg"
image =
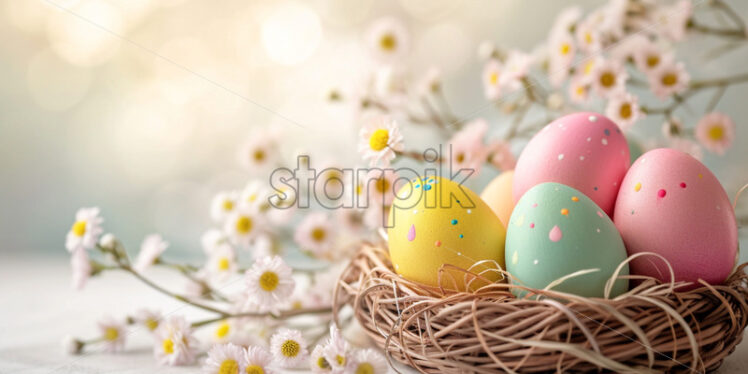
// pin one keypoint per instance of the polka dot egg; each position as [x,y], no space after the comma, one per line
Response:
[583,150]
[556,230]
[435,222]
[672,205]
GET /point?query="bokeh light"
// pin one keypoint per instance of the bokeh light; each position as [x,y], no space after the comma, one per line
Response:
[291,33]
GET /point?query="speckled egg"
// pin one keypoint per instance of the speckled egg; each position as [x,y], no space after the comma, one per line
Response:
[672,205]
[583,150]
[555,230]
[498,195]
[435,221]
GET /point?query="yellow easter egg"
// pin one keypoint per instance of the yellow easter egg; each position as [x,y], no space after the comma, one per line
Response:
[498,195]
[434,222]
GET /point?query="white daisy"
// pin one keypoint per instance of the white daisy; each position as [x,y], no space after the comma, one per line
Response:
[588,36]
[515,69]
[623,109]
[387,39]
[112,334]
[329,185]
[668,79]
[212,239]
[672,19]
[380,139]
[81,266]
[261,152]
[258,360]
[716,132]
[579,90]
[379,187]
[316,234]
[336,350]
[242,226]
[221,263]
[266,246]
[224,330]
[85,230]
[148,318]
[223,204]
[562,52]
[566,20]
[431,82]
[175,345]
[108,241]
[269,283]
[608,78]
[150,250]
[648,56]
[492,71]
[466,147]
[369,361]
[225,359]
[318,363]
[72,346]
[288,348]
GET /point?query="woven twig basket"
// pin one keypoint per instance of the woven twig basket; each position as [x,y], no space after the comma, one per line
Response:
[649,329]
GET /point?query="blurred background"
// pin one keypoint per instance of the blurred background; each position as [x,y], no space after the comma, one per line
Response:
[140,106]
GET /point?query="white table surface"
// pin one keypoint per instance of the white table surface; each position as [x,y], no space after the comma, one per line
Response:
[38,308]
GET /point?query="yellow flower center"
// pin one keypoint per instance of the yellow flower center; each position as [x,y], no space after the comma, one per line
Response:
[581,90]
[653,60]
[79,228]
[607,79]
[290,348]
[716,132]
[565,49]
[625,112]
[224,263]
[322,363]
[229,367]
[255,369]
[340,359]
[318,234]
[588,38]
[388,42]
[243,225]
[359,189]
[460,157]
[382,185]
[223,330]
[258,155]
[111,334]
[365,368]
[269,281]
[151,324]
[168,346]
[493,78]
[296,305]
[588,67]
[378,140]
[670,79]
[228,205]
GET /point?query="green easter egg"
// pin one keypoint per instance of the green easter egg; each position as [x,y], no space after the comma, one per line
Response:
[556,230]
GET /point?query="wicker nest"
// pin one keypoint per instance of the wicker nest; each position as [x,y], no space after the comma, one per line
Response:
[651,328]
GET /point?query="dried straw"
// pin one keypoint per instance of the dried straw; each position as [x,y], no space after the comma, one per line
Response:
[651,328]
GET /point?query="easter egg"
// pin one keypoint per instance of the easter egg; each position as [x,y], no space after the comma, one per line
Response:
[498,196]
[672,205]
[583,150]
[435,221]
[555,230]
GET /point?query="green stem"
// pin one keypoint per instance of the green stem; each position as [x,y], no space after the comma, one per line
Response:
[281,316]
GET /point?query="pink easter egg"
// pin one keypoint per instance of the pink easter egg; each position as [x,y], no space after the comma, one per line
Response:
[671,204]
[585,151]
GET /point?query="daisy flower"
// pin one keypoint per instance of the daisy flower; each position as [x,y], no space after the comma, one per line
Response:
[579,90]
[269,283]
[222,205]
[380,188]
[108,241]
[387,39]
[288,348]
[431,82]
[668,79]
[260,152]
[81,266]
[500,155]
[515,69]
[150,250]
[254,195]
[85,230]
[148,318]
[492,79]
[258,360]
[318,363]
[566,20]
[336,350]
[648,57]
[623,109]
[561,58]
[380,139]
[626,48]
[212,239]
[608,78]
[175,345]
[467,150]
[672,128]
[316,233]
[225,359]
[587,36]
[196,286]
[222,262]
[716,132]
[330,183]
[223,330]
[266,246]
[72,345]
[112,334]
[672,19]
[369,361]
[242,226]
